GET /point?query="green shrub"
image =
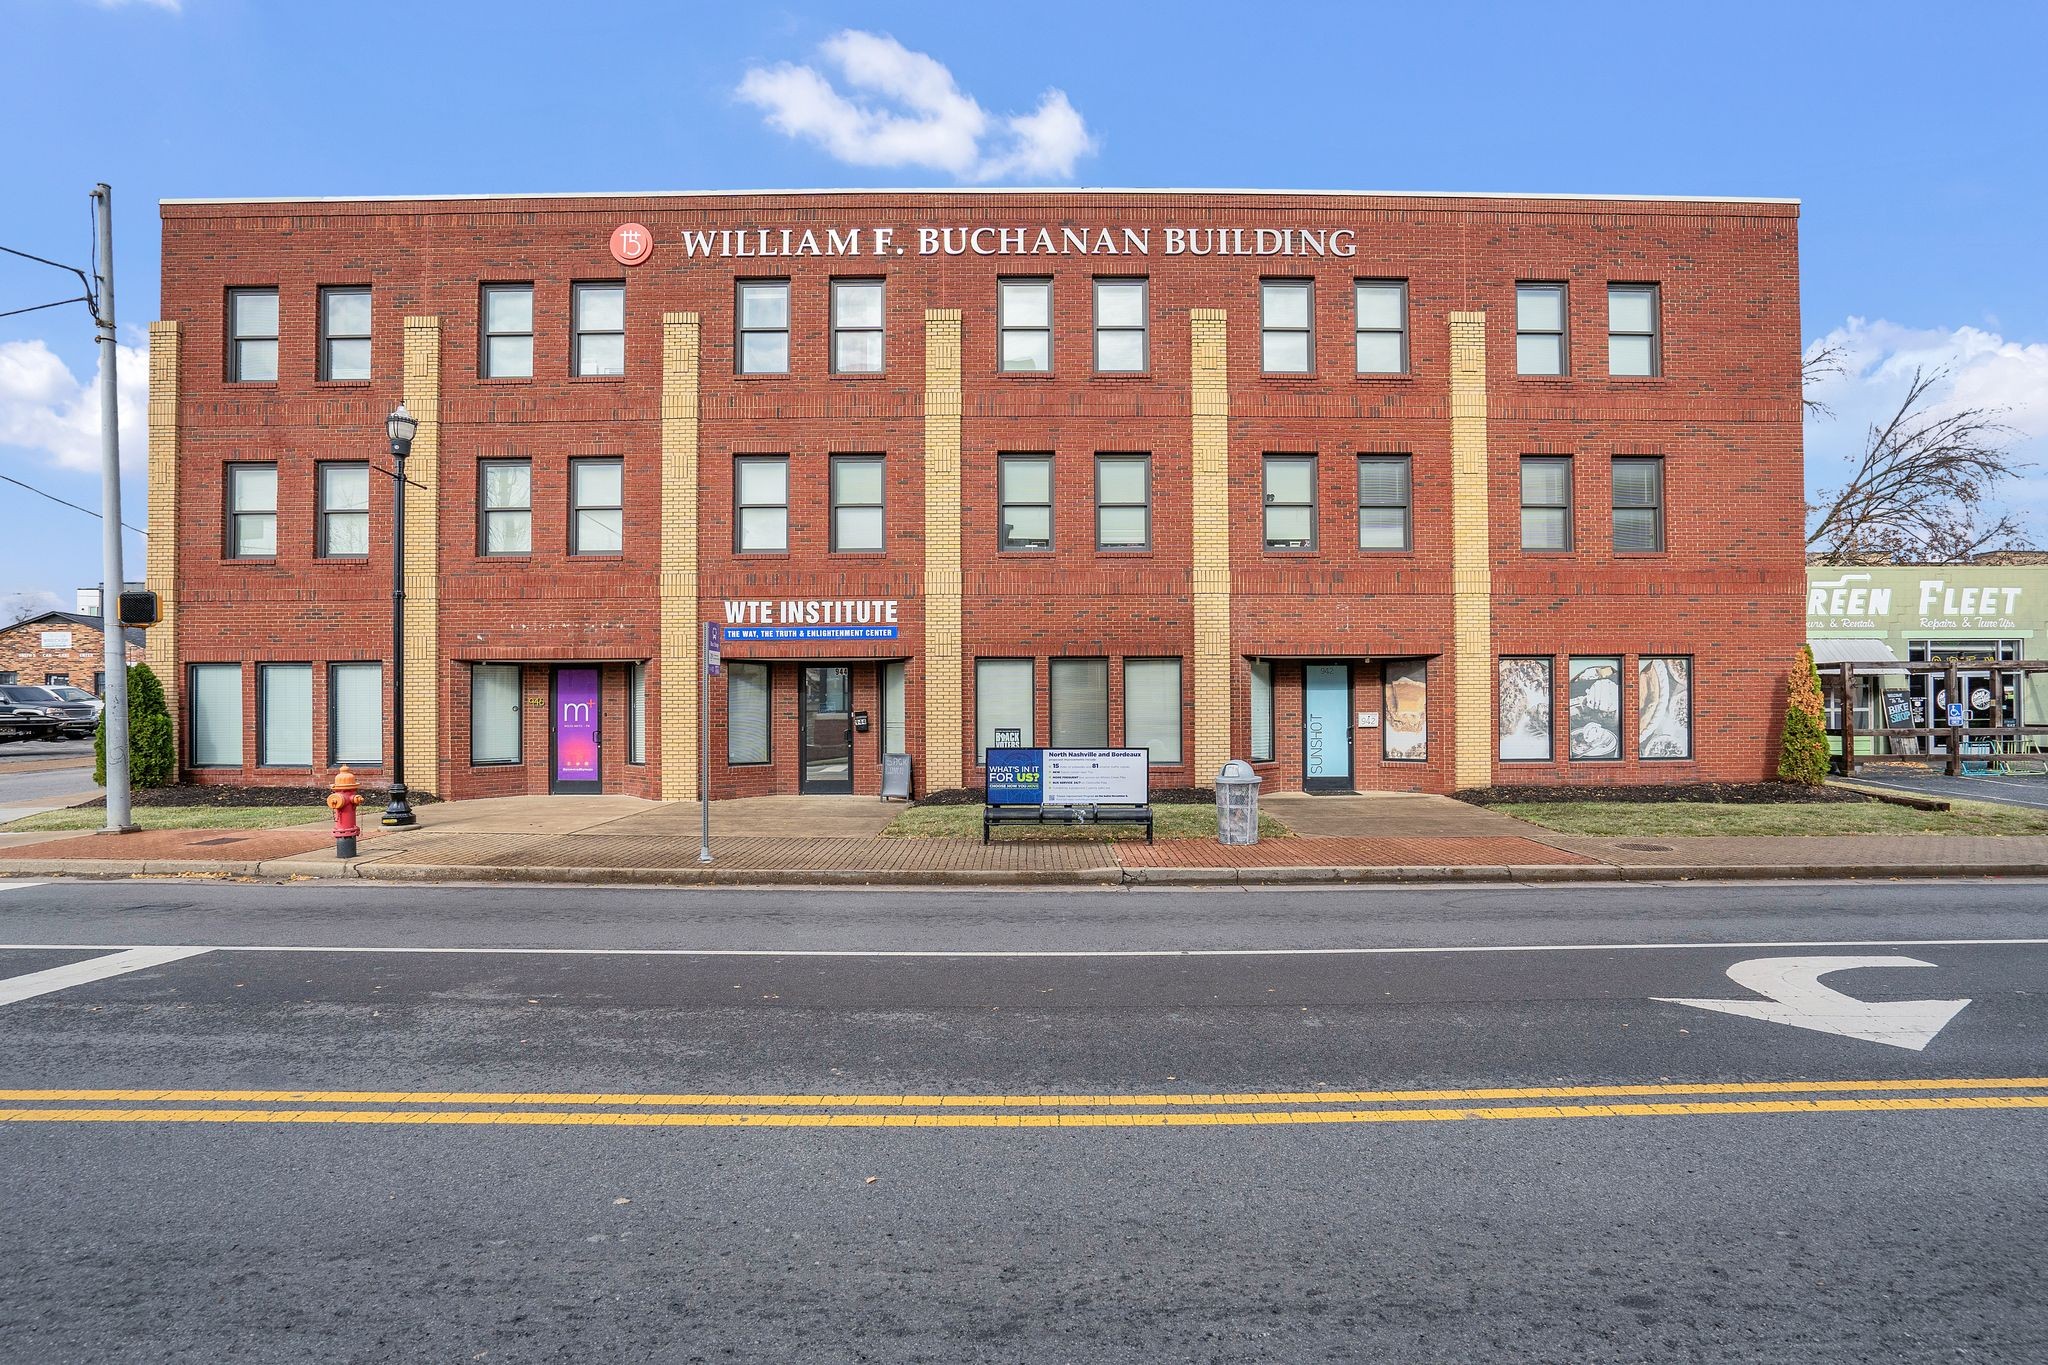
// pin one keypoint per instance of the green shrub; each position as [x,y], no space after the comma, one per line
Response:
[1803,756]
[152,747]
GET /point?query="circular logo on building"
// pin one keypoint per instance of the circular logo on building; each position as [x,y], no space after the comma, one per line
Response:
[1980,698]
[632,243]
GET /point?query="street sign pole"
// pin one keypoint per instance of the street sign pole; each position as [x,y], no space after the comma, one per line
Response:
[714,636]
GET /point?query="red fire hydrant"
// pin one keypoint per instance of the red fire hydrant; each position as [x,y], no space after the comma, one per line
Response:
[343,801]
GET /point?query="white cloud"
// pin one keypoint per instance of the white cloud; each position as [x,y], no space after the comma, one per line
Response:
[1984,370]
[904,109]
[47,410]
[21,604]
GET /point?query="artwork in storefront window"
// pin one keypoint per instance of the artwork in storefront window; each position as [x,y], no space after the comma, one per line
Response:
[1664,702]
[1596,708]
[1524,709]
[1406,730]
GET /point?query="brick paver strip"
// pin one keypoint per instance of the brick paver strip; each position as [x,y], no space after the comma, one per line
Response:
[1349,852]
[198,845]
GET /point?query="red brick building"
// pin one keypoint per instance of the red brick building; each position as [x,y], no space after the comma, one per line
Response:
[1385,491]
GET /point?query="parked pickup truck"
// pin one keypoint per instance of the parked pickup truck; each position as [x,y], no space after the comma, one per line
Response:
[72,720]
[19,722]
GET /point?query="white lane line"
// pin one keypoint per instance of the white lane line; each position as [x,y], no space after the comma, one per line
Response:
[1414,951]
[92,969]
[18,886]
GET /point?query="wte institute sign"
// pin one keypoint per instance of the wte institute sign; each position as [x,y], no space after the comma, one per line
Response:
[811,618]
[882,242]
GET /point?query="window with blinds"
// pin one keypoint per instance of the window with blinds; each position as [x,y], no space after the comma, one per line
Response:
[355,712]
[284,716]
[892,709]
[1080,703]
[494,713]
[216,715]
[746,714]
[1262,711]
[1383,496]
[1152,712]
[636,713]
[1638,504]
[1003,700]
[1546,502]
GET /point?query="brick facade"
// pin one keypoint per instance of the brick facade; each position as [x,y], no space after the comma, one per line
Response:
[1724,414]
[80,661]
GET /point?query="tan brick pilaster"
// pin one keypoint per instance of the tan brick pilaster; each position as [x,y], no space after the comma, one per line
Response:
[680,666]
[160,558]
[422,634]
[944,714]
[1471,558]
[1209,447]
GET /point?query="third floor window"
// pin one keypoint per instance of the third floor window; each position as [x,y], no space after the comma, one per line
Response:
[1382,326]
[345,333]
[764,326]
[856,326]
[600,342]
[1632,339]
[1025,322]
[508,331]
[252,336]
[1286,341]
[1539,329]
[1120,327]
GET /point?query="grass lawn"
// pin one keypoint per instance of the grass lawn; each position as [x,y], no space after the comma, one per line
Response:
[1684,817]
[174,817]
[964,822]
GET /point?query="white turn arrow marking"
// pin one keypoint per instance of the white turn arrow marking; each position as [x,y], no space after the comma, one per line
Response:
[1796,997]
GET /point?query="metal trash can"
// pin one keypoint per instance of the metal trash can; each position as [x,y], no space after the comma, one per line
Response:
[1237,803]
[895,776]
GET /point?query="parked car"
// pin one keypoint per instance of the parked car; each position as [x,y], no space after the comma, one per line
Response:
[21,722]
[78,696]
[73,719]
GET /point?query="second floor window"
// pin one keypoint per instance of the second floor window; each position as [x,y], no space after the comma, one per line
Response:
[1025,322]
[1546,502]
[1638,504]
[1286,344]
[1123,502]
[597,492]
[1024,495]
[1382,327]
[344,334]
[856,502]
[252,335]
[856,326]
[506,489]
[764,327]
[1290,502]
[1632,347]
[508,331]
[344,511]
[600,329]
[252,511]
[761,491]
[1383,501]
[1539,329]
[1120,311]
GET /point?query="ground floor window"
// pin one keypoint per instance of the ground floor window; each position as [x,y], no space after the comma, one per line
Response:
[9,677]
[355,713]
[1664,707]
[1525,710]
[494,714]
[1595,702]
[746,714]
[99,684]
[1262,711]
[1080,703]
[1152,709]
[1004,697]
[284,716]
[892,709]
[56,680]
[1404,702]
[216,715]
[636,713]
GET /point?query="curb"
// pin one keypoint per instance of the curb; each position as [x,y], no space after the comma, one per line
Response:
[281,870]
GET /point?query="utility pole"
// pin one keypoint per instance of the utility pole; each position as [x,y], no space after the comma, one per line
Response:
[112,577]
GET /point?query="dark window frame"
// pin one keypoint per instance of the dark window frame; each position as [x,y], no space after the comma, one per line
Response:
[235,338]
[1119,457]
[1563,332]
[1568,507]
[1143,329]
[191,710]
[484,509]
[485,332]
[1407,504]
[1052,673]
[1692,710]
[1359,329]
[1003,460]
[1252,711]
[881,329]
[767,760]
[321,511]
[1308,329]
[334,758]
[518,717]
[1004,328]
[233,515]
[1656,508]
[833,505]
[740,507]
[576,509]
[577,331]
[262,720]
[1314,503]
[1655,334]
[741,331]
[328,336]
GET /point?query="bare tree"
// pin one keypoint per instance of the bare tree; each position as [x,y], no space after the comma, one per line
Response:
[1817,366]
[1918,494]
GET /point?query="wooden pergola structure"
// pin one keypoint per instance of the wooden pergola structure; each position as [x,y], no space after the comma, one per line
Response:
[1840,679]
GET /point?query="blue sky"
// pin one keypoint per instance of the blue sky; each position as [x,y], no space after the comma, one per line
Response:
[1918,143]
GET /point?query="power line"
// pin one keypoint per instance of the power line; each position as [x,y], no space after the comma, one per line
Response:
[74,506]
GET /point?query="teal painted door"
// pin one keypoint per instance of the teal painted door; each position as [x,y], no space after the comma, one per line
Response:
[1326,728]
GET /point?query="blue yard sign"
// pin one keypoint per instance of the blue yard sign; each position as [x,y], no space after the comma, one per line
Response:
[1016,777]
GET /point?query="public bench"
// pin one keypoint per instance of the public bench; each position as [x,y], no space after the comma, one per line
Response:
[1131,814]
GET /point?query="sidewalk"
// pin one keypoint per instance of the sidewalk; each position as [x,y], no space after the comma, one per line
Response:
[788,840]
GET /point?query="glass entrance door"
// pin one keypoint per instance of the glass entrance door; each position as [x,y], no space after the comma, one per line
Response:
[1326,728]
[575,733]
[828,729]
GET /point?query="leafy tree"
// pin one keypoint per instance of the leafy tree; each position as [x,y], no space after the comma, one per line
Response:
[1803,758]
[152,752]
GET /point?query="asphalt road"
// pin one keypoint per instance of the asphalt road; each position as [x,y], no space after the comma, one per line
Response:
[1329,1124]
[27,784]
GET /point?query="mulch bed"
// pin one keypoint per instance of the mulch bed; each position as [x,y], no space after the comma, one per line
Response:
[211,795]
[1703,793]
[1158,796]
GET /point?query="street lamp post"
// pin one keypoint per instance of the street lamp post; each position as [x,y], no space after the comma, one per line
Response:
[400,425]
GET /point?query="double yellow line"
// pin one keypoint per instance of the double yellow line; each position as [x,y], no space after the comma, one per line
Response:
[1234,1109]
